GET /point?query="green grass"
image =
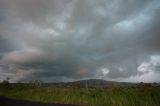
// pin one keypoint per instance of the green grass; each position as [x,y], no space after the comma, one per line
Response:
[115,96]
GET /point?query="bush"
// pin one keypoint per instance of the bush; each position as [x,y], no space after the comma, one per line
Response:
[38,83]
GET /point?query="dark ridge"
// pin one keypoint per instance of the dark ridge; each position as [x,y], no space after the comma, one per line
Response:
[91,83]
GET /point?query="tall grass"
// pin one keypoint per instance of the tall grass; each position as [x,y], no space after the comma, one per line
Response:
[114,96]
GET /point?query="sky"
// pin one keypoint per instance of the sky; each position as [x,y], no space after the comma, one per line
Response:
[67,40]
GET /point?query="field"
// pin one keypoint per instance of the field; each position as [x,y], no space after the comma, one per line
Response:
[112,96]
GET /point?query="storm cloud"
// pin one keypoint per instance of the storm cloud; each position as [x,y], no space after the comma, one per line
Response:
[66,40]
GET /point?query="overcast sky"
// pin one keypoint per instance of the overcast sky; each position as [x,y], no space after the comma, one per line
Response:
[66,40]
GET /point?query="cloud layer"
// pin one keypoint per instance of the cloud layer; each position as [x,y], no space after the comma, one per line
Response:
[63,40]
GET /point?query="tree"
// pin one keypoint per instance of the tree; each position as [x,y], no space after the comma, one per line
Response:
[6,82]
[154,84]
[141,84]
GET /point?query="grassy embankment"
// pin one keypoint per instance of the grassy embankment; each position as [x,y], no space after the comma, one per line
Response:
[115,96]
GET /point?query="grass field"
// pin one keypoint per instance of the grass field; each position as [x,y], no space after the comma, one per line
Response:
[113,96]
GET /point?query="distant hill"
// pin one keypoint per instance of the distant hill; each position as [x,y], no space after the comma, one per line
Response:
[92,83]
[95,83]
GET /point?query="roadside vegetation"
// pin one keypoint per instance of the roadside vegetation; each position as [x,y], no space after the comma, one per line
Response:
[143,95]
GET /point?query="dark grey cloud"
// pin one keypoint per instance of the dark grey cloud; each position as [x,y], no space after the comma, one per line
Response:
[60,40]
